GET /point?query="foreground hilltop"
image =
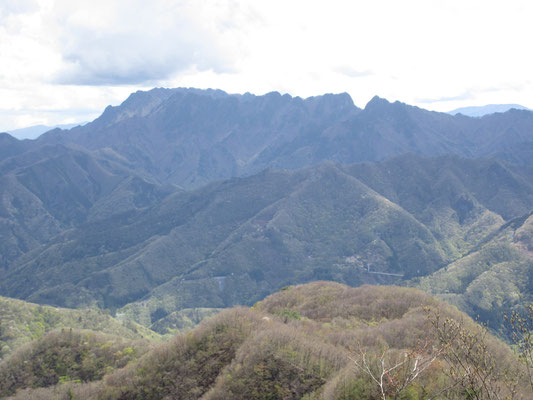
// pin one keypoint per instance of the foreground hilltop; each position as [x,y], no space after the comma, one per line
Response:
[303,342]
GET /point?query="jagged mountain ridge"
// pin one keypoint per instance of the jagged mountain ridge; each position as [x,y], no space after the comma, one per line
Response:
[190,137]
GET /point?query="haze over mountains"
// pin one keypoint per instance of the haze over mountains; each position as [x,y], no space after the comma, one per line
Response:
[178,197]
[480,111]
[33,132]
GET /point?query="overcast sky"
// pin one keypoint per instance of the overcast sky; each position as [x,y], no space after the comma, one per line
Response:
[64,61]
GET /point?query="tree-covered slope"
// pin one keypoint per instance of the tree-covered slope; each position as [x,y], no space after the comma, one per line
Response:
[302,342]
[67,355]
[49,189]
[493,280]
[191,137]
[22,322]
[236,241]
[84,219]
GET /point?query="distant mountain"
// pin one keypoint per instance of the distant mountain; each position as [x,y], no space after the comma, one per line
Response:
[190,137]
[480,111]
[33,132]
[11,146]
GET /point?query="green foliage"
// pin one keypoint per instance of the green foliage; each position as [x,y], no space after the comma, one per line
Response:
[21,322]
[521,328]
[493,280]
[188,365]
[355,389]
[182,320]
[278,363]
[288,314]
[66,356]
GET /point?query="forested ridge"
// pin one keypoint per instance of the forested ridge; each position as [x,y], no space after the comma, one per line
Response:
[312,341]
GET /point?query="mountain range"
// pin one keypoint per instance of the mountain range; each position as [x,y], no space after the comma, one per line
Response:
[184,198]
[191,137]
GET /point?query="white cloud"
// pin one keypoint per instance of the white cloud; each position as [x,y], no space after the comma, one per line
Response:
[81,55]
[133,42]
[14,7]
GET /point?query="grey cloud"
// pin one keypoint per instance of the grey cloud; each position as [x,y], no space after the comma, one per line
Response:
[351,72]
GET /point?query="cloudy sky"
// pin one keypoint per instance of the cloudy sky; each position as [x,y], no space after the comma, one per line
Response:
[64,61]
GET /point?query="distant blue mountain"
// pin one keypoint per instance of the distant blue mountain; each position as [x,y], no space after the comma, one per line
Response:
[33,132]
[479,111]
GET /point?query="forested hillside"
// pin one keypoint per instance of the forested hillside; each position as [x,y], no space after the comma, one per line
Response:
[22,322]
[260,233]
[303,342]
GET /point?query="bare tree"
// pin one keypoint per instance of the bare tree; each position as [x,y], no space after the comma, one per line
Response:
[393,371]
[472,366]
[522,334]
